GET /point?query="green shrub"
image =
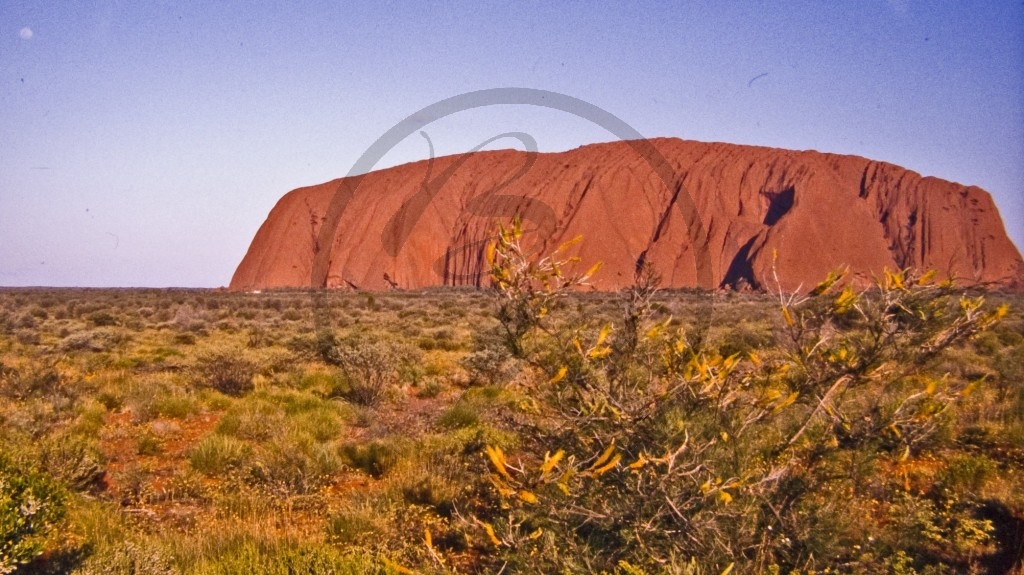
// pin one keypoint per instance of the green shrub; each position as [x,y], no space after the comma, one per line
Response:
[216,454]
[126,558]
[31,507]
[375,458]
[745,338]
[33,381]
[353,525]
[306,346]
[102,319]
[426,343]
[5,372]
[96,341]
[315,381]
[966,475]
[460,415]
[91,418]
[936,529]
[154,395]
[252,418]
[25,321]
[148,444]
[174,405]
[294,465]
[443,339]
[430,388]
[649,446]
[490,364]
[430,482]
[370,368]
[322,423]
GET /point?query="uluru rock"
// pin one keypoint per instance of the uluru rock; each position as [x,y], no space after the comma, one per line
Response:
[703,214]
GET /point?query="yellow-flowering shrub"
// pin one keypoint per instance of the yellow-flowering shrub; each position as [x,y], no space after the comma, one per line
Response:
[650,450]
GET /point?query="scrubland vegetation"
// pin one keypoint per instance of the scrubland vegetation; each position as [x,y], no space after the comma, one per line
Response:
[529,429]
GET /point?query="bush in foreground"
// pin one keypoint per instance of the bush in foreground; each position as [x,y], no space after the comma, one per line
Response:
[31,506]
[651,449]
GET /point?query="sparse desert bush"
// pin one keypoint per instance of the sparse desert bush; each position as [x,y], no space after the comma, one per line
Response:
[430,388]
[102,319]
[370,368]
[191,319]
[73,461]
[966,475]
[112,390]
[36,380]
[97,340]
[226,371]
[25,320]
[257,337]
[27,336]
[442,339]
[317,380]
[305,345]
[490,364]
[150,396]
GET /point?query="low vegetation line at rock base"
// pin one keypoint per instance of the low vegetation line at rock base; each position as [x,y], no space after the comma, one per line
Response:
[525,429]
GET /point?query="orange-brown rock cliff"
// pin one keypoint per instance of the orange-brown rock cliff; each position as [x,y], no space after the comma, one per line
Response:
[815,211]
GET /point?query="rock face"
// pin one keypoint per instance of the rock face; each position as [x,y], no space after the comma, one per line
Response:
[706,215]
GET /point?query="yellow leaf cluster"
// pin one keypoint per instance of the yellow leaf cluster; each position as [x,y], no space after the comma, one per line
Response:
[550,461]
[846,300]
[560,375]
[605,462]
[497,457]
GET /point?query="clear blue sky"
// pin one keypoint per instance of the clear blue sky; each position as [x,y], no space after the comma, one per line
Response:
[143,143]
